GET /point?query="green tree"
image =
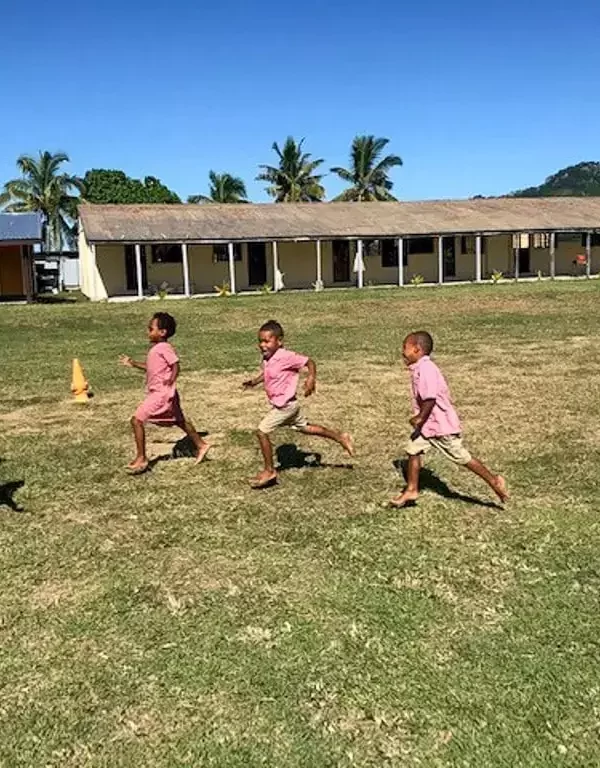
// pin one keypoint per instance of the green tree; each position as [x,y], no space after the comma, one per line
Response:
[224,188]
[581,180]
[115,187]
[294,179]
[368,174]
[45,188]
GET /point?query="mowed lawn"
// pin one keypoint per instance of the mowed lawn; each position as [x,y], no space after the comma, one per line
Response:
[182,619]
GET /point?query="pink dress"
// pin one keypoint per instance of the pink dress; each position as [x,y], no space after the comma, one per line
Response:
[161,405]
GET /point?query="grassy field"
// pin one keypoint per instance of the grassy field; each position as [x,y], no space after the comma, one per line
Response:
[182,619]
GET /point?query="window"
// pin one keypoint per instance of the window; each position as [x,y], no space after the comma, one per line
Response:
[468,244]
[389,254]
[221,252]
[568,237]
[419,245]
[594,239]
[541,240]
[167,253]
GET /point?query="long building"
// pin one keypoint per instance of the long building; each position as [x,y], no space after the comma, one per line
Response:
[134,250]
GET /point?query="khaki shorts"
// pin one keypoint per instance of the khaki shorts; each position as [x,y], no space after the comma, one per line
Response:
[289,416]
[450,445]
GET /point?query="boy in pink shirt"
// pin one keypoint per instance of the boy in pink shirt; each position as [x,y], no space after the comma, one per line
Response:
[280,374]
[435,421]
[161,405]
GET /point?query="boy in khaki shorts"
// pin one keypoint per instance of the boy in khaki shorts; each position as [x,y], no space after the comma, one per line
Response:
[280,374]
[435,421]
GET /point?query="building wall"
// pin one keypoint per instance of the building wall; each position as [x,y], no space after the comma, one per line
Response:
[110,260]
[298,262]
[163,273]
[91,280]
[205,273]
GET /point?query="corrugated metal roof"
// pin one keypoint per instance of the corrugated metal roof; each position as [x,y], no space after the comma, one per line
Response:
[20,227]
[294,221]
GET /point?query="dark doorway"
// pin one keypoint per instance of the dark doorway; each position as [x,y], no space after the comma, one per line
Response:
[524,261]
[257,263]
[449,254]
[130,271]
[341,261]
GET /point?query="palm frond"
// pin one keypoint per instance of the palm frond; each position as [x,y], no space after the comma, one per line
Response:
[343,173]
[388,162]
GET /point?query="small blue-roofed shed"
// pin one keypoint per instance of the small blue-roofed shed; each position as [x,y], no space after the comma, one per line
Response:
[19,232]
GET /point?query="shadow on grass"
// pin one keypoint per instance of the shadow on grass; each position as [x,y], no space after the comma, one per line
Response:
[60,298]
[7,491]
[289,456]
[430,481]
[183,449]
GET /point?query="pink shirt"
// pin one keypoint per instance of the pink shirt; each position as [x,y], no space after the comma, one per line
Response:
[159,366]
[281,373]
[428,383]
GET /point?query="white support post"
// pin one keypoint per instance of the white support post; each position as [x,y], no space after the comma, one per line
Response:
[440,260]
[231,255]
[319,283]
[275,266]
[186,270]
[360,263]
[400,261]
[478,259]
[517,255]
[138,271]
[588,254]
[552,255]
[92,277]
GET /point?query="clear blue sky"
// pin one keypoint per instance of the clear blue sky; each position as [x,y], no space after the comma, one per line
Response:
[477,98]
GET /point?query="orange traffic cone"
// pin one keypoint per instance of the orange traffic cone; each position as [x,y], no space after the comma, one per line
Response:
[79,385]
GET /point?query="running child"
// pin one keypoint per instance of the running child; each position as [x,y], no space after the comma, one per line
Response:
[280,374]
[161,406]
[435,421]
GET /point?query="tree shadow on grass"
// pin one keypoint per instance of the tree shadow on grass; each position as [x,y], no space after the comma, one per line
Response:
[7,491]
[430,481]
[289,456]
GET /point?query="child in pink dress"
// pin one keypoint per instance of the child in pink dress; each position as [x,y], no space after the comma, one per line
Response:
[435,422]
[280,374]
[161,405]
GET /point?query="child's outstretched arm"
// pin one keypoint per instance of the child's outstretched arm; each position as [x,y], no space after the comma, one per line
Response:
[254,382]
[418,421]
[311,380]
[129,363]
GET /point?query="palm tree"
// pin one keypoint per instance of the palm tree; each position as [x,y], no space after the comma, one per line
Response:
[369,172]
[294,179]
[42,187]
[224,188]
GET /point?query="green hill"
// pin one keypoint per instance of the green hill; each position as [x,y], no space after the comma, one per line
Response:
[581,180]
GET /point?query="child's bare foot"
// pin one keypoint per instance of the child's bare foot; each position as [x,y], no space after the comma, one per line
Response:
[202,451]
[405,499]
[348,443]
[500,488]
[137,466]
[264,478]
